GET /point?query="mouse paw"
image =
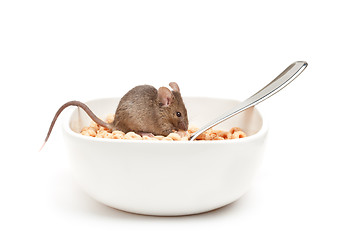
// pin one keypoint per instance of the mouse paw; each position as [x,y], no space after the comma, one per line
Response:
[143,134]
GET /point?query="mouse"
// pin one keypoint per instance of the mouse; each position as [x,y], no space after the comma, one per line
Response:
[144,110]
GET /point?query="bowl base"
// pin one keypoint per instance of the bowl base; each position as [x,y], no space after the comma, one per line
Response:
[193,213]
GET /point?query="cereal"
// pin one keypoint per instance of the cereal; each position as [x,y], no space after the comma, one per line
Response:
[174,136]
[103,134]
[132,136]
[94,126]
[192,129]
[234,129]
[238,134]
[118,132]
[167,139]
[219,138]
[224,135]
[202,136]
[94,130]
[86,133]
[159,137]
[110,118]
[118,135]
[147,138]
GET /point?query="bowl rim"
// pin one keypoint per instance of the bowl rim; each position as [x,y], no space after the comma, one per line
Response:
[66,128]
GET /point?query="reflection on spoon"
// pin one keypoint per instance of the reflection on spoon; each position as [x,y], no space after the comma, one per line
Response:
[284,78]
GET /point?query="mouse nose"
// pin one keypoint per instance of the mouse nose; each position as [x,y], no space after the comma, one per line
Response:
[183,126]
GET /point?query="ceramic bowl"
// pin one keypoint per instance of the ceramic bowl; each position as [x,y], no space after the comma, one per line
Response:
[167,178]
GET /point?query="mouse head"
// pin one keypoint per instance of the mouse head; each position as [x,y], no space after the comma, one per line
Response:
[173,107]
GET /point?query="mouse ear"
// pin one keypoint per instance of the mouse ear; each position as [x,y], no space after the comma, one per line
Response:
[165,96]
[174,86]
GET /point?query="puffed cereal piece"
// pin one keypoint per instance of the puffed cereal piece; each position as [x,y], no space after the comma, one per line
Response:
[149,138]
[159,137]
[224,135]
[167,139]
[211,130]
[94,125]
[192,129]
[101,134]
[202,136]
[174,136]
[86,133]
[207,135]
[218,138]
[118,135]
[216,131]
[91,132]
[108,135]
[110,118]
[132,136]
[211,136]
[234,129]
[118,132]
[238,134]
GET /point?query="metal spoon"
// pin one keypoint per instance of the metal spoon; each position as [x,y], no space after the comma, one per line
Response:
[289,74]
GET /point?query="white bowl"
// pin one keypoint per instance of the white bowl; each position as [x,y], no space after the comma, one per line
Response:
[167,178]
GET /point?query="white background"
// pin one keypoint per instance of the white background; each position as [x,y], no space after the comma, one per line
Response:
[54,51]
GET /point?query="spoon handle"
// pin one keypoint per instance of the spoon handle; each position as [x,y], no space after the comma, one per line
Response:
[284,78]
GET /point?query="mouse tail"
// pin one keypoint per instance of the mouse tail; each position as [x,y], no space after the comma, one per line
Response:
[85,108]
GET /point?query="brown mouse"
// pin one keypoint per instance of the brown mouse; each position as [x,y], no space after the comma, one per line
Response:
[144,110]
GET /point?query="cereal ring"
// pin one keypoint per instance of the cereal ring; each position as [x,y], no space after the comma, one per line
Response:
[238,134]
[101,134]
[174,136]
[202,136]
[192,129]
[234,129]
[167,139]
[118,132]
[110,118]
[108,135]
[132,136]
[159,137]
[94,125]
[118,135]
[85,133]
[224,135]
[147,138]
[218,138]
[91,132]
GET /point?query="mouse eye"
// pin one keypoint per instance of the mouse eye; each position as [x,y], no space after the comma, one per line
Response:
[178,114]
